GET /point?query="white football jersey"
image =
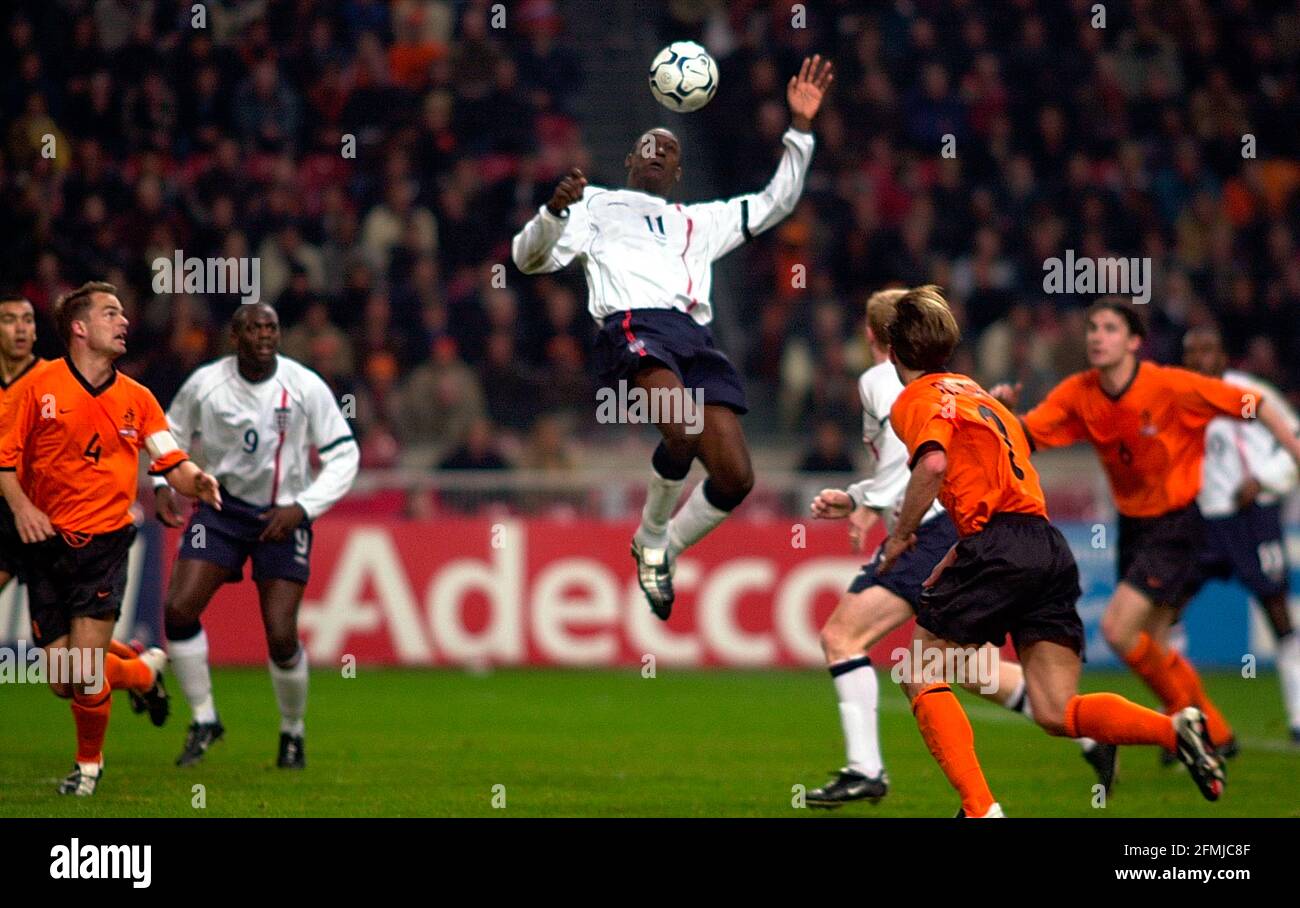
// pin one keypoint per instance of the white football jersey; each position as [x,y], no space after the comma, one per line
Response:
[1238,448]
[643,252]
[256,439]
[887,467]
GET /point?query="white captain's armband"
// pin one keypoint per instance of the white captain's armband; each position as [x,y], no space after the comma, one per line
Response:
[160,444]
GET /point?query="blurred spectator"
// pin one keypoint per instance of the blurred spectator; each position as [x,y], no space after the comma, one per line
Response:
[439,401]
[829,452]
[477,452]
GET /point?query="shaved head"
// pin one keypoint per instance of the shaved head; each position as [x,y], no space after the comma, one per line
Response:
[247,311]
[654,163]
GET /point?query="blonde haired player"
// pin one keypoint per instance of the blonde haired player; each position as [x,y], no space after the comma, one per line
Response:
[876,604]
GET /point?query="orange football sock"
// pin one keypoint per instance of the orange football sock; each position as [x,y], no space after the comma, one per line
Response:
[90,712]
[130,674]
[1218,727]
[1150,662]
[948,734]
[1111,719]
[121,650]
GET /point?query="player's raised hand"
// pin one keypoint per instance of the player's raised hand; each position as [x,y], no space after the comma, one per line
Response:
[806,90]
[832,504]
[206,488]
[1007,394]
[281,521]
[568,191]
[32,523]
[165,507]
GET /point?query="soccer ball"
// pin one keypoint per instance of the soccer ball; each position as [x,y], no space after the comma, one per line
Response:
[683,77]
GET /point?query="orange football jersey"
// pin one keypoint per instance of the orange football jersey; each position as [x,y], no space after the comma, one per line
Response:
[10,387]
[988,456]
[1150,437]
[77,448]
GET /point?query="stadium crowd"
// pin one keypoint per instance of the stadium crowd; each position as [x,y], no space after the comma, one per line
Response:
[386,266]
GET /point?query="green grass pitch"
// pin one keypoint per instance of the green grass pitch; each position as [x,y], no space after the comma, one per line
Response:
[602,743]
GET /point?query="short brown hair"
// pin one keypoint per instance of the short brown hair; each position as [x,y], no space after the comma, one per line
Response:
[923,332]
[880,312]
[1123,310]
[73,306]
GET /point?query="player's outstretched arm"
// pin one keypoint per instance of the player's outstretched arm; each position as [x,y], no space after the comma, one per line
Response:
[188,479]
[32,523]
[728,223]
[922,490]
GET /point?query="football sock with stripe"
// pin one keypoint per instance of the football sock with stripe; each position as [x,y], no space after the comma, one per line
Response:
[662,492]
[858,690]
[694,521]
[189,662]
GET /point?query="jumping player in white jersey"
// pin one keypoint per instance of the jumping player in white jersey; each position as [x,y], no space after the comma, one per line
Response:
[876,604]
[648,265]
[1245,476]
[257,416]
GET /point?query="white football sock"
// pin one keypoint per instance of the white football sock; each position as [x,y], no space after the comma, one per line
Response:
[1288,672]
[189,661]
[859,694]
[291,693]
[693,522]
[660,498]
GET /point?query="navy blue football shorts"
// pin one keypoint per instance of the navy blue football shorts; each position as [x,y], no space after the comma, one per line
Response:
[1250,547]
[631,340]
[229,538]
[933,540]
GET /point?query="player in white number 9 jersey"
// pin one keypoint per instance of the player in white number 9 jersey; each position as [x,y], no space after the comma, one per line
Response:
[256,417]
[648,263]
